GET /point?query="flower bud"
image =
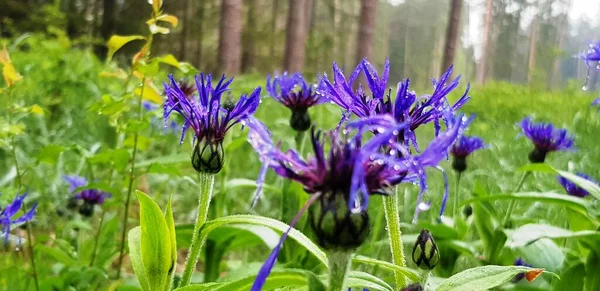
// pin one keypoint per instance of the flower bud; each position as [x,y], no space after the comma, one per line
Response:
[336,227]
[425,253]
[459,164]
[86,209]
[413,287]
[468,211]
[208,157]
[300,120]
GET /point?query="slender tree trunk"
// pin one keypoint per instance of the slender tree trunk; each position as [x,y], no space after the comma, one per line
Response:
[184,29]
[532,50]
[230,37]
[452,33]
[249,55]
[200,31]
[296,36]
[108,25]
[273,39]
[481,66]
[366,33]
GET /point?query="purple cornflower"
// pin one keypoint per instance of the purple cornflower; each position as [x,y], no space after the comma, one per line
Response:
[89,197]
[10,210]
[596,103]
[408,107]
[572,189]
[463,148]
[592,56]
[520,262]
[342,180]
[208,117]
[294,93]
[546,138]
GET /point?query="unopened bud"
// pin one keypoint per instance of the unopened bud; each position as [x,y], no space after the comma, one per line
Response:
[459,164]
[300,120]
[208,157]
[425,253]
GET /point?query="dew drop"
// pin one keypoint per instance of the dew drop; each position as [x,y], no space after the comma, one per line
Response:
[424,206]
[17,249]
[584,88]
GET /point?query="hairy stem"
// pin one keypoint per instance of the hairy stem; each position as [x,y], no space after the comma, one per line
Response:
[456,196]
[390,207]
[339,264]
[132,178]
[207,182]
[513,202]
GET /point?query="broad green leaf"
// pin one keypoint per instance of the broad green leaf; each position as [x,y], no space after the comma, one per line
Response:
[168,18]
[164,169]
[571,279]
[155,242]
[150,93]
[592,265]
[56,253]
[409,273]
[36,109]
[359,280]
[574,203]
[529,233]
[543,253]
[50,153]
[200,287]
[268,222]
[166,160]
[496,246]
[116,42]
[277,279]
[482,278]
[169,60]
[134,239]
[172,238]
[246,236]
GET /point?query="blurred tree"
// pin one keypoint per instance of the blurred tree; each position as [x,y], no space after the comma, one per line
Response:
[185,23]
[249,37]
[295,36]
[481,66]
[230,35]
[452,33]
[368,9]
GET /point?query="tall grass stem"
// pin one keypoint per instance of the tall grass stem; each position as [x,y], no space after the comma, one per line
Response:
[513,202]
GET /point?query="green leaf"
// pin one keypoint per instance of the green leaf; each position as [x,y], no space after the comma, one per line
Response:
[50,153]
[359,279]
[56,253]
[589,186]
[134,239]
[592,280]
[543,253]
[166,160]
[496,246]
[529,233]
[118,41]
[172,238]
[482,278]
[277,279]
[268,222]
[409,273]
[574,203]
[571,279]
[155,243]
[247,183]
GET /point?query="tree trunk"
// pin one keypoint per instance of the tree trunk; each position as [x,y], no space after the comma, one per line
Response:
[273,39]
[184,30]
[452,33]
[200,31]
[108,19]
[296,37]
[366,26]
[230,37]
[481,67]
[249,55]
[532,50]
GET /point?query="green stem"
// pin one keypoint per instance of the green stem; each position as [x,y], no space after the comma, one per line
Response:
[390,207]
[456,196]
[339,265]
[207,182]
[97,239]
[299,139]
[19,182]
[424,278]
[513,202]
[131,179]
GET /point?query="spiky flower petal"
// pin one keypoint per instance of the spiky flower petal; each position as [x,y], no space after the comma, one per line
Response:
[8,213]
[546,138]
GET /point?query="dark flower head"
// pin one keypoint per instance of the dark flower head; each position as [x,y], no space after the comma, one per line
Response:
[520,262]
[9,211]
[408,107]
[546,138]
[342,179]
[464,147]
[294,93]
[84,200]
[572,189]
[207,117]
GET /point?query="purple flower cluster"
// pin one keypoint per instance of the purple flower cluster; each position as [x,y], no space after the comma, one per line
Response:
[572,189]
[9,211]
[85,200]
[545,138]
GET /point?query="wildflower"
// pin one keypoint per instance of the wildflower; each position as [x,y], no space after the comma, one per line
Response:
[425,253]
[9,211]
[341,181]
[294,93]
[572,189]
[413,287]
[596,103]
[463,148]
[546,138]
[89,197]
[592,56]
[208,117]
[408,107]
[520,262]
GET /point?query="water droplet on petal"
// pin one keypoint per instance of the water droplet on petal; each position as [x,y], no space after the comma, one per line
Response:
[424,206]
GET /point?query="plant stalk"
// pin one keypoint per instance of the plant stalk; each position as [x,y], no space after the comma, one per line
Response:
[513,202]
[97,238]
[207,182]
[456,196]
[132,178]
[390,207]
[339,265]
